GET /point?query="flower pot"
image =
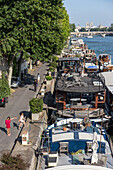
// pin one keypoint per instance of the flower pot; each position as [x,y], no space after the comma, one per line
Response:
[35,116]
[48,82]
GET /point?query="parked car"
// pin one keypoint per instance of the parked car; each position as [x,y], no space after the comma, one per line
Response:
[15,82]
[2,102]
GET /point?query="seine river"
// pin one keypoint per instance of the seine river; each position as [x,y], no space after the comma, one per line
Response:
[100,44]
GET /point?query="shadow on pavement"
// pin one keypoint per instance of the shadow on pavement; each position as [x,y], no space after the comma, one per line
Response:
[28,80]
[3,129]
[19,139]
[31,89]
[15,125]
[26,113]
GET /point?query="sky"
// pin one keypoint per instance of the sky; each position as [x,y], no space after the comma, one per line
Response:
[97,11]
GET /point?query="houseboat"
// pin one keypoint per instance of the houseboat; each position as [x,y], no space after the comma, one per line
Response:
[108,83]
[70,143]
[89,36]
[77,92]
[105,59]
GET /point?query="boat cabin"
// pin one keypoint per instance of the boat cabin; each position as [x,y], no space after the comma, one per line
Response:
[81,95]
[108,83]
[68,64]
[105,59]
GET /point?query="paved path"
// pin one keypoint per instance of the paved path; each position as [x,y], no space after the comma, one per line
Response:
[18,102]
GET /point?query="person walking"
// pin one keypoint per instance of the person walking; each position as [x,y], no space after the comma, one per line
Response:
[22,120]
[35,85]
[38,77]
[7,124]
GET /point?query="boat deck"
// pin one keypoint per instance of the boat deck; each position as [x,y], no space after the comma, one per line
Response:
[81,113]
[64,160]
[74,142]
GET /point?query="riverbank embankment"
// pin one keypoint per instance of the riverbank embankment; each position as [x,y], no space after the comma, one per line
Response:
[29,152]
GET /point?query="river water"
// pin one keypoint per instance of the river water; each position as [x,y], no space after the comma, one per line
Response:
[100,45]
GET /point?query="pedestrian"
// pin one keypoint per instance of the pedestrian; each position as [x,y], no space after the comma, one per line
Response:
[22,120]
[38,77]
[7,124]
[35,85]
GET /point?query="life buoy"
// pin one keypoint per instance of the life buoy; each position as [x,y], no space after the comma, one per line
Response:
[86,120]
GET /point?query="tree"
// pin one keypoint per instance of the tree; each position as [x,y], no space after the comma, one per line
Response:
[82,29]
[8,49]
[72,27]
[110,28]
[4,87]
[35,27]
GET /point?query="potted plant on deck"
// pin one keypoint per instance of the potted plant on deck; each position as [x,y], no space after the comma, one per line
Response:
[36,107]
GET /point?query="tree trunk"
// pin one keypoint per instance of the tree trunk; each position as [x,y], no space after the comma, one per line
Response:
[10,69]
[31,67]
[10,74]
[19,65]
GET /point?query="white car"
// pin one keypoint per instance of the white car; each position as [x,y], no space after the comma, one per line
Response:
[15,82]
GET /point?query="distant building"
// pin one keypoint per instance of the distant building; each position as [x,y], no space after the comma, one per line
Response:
[91,25]
[100,26]
[78,27]
[87,25]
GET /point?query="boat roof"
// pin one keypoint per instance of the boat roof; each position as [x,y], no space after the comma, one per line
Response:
[80,167]
[107,76]
[60,135]
[103,54]
[84,85]
[92,67]
[69,59]
[110,88]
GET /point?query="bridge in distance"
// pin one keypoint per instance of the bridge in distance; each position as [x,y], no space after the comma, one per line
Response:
[92,33]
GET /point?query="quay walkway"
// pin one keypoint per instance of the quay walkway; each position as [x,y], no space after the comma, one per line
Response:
[18,102]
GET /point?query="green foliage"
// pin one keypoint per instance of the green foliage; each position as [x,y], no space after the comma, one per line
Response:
[51,69]
[110,28]
[39,27]
[72,27]
[55,58]
[36,105]
[12,162]
[82,29]
[49,78]
[98,29]
[77,55]
[4,87]
[53,64]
